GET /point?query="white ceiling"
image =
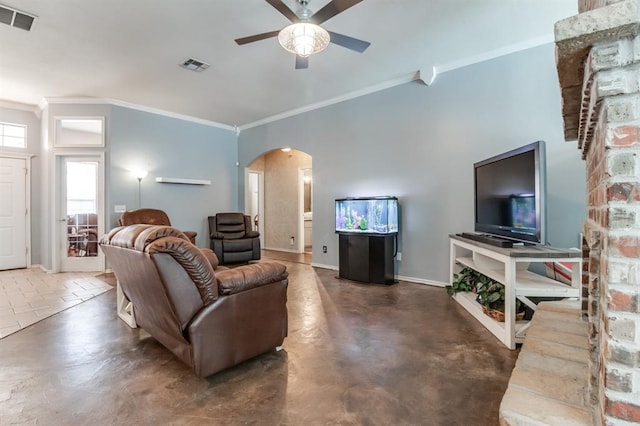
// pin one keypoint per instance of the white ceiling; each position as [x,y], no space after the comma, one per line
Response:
[129,50]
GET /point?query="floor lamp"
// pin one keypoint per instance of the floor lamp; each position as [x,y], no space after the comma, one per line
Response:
[140,174]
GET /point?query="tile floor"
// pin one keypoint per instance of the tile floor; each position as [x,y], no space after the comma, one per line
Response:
[30,295]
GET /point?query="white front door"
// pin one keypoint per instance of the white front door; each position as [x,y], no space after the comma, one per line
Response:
[81,219]
[13,213]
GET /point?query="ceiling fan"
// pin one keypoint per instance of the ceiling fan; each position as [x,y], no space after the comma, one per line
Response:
[305,36]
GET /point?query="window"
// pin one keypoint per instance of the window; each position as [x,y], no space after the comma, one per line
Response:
[13,135]
[79,132]
[81,187]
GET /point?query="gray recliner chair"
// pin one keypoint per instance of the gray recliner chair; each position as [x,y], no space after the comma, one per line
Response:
[232,238]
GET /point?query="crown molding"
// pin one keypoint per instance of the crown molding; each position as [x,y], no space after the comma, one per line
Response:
[407,78]
[20,106]
[426,75]
[116,102]
[493,54]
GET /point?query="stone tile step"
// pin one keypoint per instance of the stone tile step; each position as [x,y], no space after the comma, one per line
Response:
[566,389]
[561,307]
[560,367]
[578,341]
[559,321]
[549,384]
[572,317]
[571,306]
[520,408]
[557,350]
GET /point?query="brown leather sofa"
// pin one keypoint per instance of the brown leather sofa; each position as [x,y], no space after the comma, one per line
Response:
[150,217]
[210,317]
[232,238]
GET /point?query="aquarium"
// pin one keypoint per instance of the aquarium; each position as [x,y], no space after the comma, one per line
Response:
[367,215]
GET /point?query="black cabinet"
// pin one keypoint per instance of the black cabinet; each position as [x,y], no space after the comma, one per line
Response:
[367,258]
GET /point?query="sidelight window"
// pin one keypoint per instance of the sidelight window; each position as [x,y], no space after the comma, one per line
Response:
[13,135]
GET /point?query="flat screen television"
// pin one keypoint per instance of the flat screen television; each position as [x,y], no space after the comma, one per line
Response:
[510,194]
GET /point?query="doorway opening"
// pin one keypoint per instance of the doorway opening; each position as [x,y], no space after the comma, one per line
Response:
[254,199]
[306,195]
[80,204]
[279,183]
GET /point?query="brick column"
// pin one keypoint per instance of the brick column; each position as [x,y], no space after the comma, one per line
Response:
[599,72]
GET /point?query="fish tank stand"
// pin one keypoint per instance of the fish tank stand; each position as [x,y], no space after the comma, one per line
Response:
[367,258]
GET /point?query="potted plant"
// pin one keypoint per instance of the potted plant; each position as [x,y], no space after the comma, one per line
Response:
[465,280]
[491,294]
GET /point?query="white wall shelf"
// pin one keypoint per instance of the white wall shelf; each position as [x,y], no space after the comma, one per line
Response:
[183,181]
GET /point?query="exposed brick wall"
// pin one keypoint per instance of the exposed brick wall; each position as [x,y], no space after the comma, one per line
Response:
[584,294]
[611,232]
[586,5]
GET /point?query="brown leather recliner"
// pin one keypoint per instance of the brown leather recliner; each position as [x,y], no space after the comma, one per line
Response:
[210,319]
[150,217]
[232,238]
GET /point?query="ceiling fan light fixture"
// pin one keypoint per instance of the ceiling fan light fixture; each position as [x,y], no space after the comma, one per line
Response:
[304,39]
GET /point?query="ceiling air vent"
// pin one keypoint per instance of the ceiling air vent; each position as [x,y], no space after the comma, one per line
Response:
[194,65]
[15,18]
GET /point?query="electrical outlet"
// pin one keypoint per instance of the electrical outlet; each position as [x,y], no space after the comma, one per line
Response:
[398,256]
[119,208]
[324,249]
[292,240]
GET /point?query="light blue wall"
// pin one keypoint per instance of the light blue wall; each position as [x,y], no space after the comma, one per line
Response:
[170,147]
[165,146]
[412,141]
[419,143]
[29,119]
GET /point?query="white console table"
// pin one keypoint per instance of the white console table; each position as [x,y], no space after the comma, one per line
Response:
[509,267]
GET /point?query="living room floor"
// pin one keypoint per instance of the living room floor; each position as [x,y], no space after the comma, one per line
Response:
[29,295]
[355,354]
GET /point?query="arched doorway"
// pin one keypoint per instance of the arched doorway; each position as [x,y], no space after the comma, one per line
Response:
[279,191]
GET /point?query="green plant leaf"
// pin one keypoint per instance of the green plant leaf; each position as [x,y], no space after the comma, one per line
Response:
[493,297]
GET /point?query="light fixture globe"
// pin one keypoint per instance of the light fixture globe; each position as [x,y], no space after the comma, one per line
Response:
[139,174]
[304,39]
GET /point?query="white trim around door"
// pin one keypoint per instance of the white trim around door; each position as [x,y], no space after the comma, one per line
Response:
[61,261]
[24,162]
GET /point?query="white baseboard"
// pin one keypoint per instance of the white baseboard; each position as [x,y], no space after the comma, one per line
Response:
[42,268]
[397,277]
[421,281]
[48,271]
[320,265]
[281,249]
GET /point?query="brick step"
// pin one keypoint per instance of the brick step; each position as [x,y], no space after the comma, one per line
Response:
[549,383]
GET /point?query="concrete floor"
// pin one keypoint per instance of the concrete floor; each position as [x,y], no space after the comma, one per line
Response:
[356,354]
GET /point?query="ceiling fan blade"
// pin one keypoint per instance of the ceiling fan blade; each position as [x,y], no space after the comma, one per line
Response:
[332,9]
[257,37]
[302,63]
[349,42]
[282,8]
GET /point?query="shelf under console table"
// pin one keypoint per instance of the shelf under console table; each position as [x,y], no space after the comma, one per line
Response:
[509,267]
